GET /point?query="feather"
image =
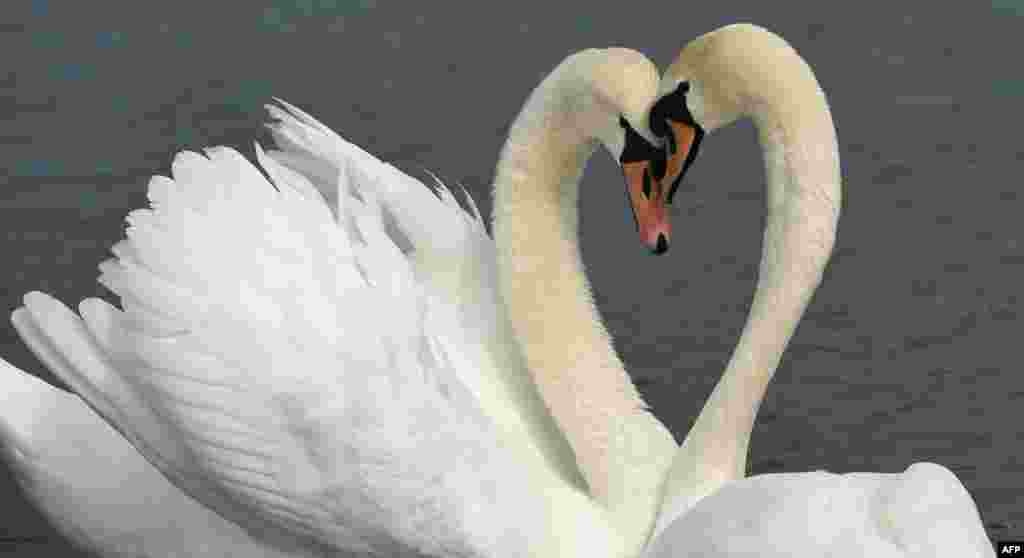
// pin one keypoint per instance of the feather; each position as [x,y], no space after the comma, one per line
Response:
[301,370]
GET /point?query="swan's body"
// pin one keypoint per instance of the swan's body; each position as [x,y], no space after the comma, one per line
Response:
[921,512]
[327,391]
[708,508]
[743,71]
[623,451]
[274,391]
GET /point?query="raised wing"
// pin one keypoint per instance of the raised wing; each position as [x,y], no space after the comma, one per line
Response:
[450,251]
[290,368]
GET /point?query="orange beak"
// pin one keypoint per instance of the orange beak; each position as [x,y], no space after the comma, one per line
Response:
[682,150]
[650,211]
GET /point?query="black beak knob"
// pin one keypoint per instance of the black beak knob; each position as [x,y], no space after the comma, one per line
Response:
[662,245]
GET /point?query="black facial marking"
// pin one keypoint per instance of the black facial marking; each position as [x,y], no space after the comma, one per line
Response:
[638,149]
[673,107]
[658,166]
[647,184]
[690,158]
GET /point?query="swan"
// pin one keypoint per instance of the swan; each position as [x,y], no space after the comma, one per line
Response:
[338,364]
[612,449]
[708,508]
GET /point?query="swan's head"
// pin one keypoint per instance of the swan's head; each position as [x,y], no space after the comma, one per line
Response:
[621,87]
[708,86]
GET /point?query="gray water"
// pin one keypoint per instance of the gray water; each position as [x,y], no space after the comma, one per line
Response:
[909,351]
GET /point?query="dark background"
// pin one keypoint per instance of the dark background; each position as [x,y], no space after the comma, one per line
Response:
[909,352]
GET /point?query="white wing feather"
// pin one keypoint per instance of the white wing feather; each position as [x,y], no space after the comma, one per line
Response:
[95,487]
[289,367]
[452,253]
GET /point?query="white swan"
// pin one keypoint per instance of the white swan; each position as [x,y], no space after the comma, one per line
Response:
[746,71]
[622,451]
[297,372]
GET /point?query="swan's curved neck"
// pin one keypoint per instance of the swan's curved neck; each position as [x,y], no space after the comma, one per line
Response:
[803,199]
[620,448]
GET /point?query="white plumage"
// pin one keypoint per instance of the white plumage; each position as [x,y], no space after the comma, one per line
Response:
[294,368]
[923,511]
[339,360]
